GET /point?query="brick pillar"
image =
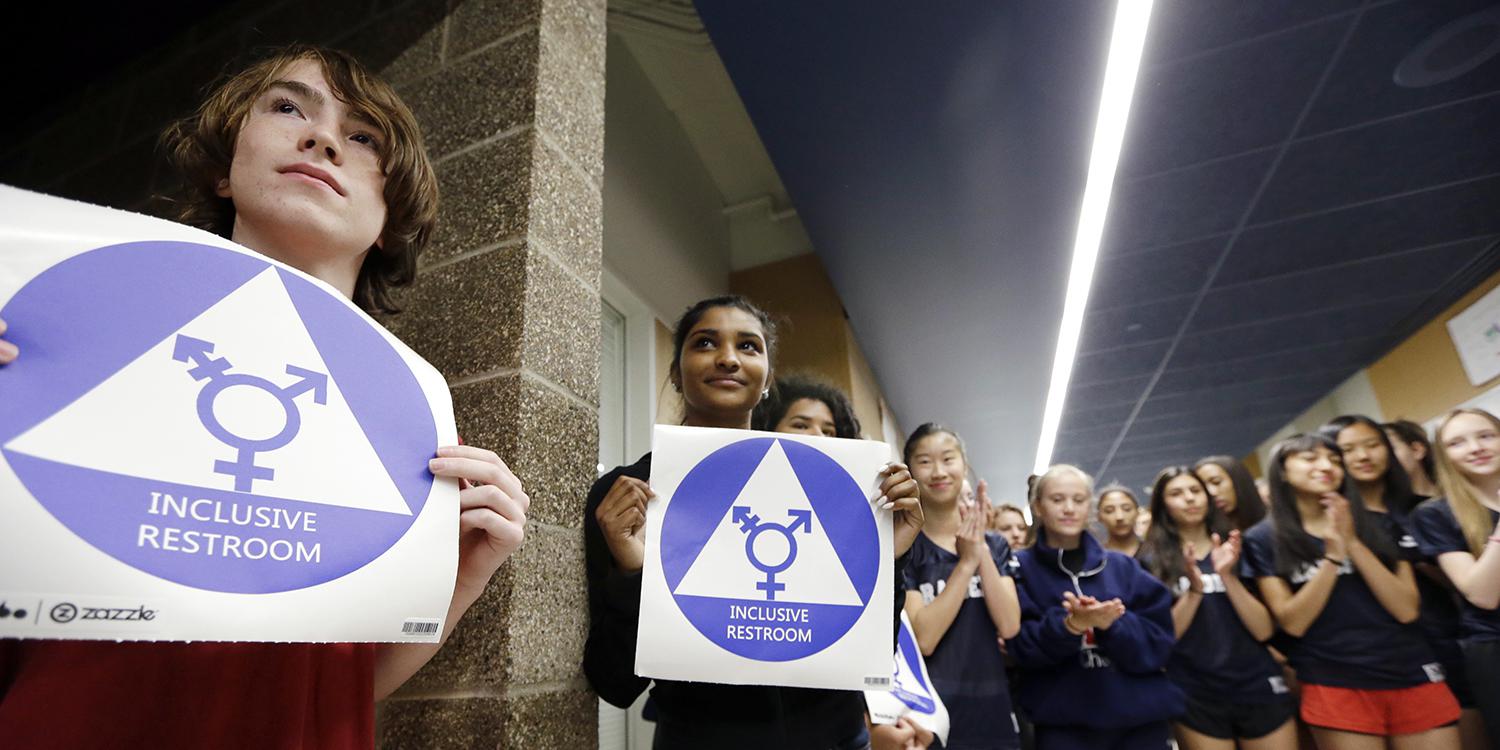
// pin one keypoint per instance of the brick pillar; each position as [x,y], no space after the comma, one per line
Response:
[507,306]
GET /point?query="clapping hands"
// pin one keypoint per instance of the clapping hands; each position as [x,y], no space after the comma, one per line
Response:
[1085,612]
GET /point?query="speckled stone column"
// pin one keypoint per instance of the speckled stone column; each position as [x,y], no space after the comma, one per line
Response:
[507,306]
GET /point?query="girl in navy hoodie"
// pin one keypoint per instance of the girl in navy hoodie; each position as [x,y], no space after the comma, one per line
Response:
[1235,689]
[1096,631]
[1330,575]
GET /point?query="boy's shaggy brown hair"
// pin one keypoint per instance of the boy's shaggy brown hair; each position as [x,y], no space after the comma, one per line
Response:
[201,147]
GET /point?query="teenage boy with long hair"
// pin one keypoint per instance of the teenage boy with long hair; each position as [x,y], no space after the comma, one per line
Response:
[309,159]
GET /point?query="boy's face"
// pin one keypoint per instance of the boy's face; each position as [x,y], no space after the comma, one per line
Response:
[306,179]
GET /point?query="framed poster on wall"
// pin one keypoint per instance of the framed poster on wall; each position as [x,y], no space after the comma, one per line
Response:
[1476,336]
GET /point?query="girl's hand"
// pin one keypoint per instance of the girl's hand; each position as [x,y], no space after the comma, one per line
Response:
[921,738]
[1340,531]
[622,518]
[982,495]
[1087,612]
[1226,554]
[492,509]
[899,494]
[896,736]
[8,351]
[1190,562]
[970,537]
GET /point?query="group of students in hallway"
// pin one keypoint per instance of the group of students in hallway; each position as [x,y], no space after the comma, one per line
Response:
[1351,606]
[1359,596]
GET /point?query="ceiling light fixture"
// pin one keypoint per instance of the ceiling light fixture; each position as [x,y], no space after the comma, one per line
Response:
[1132,17]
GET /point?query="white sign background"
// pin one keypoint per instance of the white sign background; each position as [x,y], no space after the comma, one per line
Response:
[669,646]
[400,596]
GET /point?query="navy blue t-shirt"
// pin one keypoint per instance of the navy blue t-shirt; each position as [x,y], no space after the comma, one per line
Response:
[1438,532]
[1354,642]
[1439,621]
[1217,659]
[967,666]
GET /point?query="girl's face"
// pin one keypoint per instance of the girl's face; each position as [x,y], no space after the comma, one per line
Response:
[1472,443]
[1409,455]
[1012,526]
[808,416]
[1314,472]
[1142,524]
[1220,486]
[724,365]
[1364,450]
[1062,506]
[1186,501]
[937,463]
[1117,512]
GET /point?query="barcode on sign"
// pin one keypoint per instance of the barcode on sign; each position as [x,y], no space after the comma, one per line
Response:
[877,682]
[420,627]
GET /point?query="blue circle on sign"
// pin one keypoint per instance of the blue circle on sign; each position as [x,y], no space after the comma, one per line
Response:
[770,628]
[86,318]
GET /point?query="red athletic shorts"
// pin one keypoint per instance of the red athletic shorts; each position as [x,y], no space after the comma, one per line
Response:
[1383,712]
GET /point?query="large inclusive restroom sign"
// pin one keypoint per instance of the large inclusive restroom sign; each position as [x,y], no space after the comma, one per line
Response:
[197,432]
[767,563]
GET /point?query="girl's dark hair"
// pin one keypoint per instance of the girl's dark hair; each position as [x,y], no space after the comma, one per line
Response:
[1161,550]
[790,389]
[1399,496]
[1249,508]
[695,313]
[1294,546]
[1116,487]
[1411,432]
[928,429]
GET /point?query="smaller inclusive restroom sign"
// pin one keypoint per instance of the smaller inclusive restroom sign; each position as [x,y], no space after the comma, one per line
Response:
[198,443]
[767,563]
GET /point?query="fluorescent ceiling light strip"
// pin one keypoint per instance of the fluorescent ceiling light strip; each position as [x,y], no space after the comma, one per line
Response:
[1132,17]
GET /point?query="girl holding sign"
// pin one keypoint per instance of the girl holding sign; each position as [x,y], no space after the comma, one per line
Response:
[1331,578]
[1235,690]
[1096,631]
[721,365]
[960,599]
[310,159]
[1462,532]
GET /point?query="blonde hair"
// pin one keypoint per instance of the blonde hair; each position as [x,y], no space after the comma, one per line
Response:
[201,147]
[1463,497]
[993,521]
[1053,472]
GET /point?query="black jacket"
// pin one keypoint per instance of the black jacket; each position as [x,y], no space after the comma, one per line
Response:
[694,714]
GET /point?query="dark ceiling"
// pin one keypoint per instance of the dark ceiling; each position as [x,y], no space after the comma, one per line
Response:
[55,51]
[1285,212]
